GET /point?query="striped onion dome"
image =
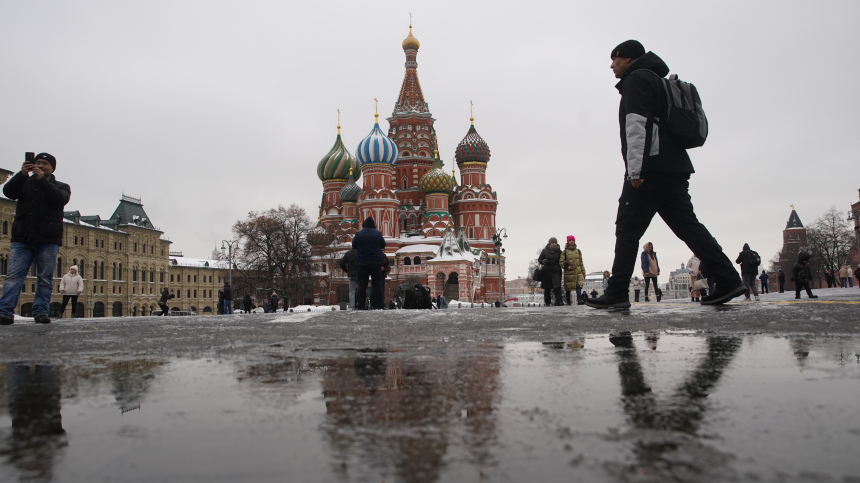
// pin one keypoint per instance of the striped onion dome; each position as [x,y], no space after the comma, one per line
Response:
[376,148]
[437,181]
[473,148]
[350,191]
[337,163]
[318,236]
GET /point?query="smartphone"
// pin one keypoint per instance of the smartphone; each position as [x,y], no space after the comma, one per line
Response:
[29,158]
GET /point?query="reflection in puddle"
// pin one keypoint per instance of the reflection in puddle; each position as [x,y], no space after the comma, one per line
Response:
[652,407]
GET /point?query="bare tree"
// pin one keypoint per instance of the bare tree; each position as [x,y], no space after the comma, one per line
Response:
[830,238]
[532,283]
[274,253]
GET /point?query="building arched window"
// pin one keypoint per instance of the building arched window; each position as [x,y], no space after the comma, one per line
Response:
[95,270]
[120,272]
[417,260]
[407,261]
[113,270]
[59,267]
[5,227]
[101,270]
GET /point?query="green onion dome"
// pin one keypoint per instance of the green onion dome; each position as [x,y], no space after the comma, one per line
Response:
[473,148]
[337,163]
[319,237]
[437,181]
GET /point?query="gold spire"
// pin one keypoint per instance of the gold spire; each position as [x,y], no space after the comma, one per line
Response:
[376,110]
[350,170]
[338,123]
[792,207]
[471,112]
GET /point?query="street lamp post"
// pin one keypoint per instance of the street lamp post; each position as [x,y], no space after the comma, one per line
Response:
[230,244]
[498,250]
[854,215]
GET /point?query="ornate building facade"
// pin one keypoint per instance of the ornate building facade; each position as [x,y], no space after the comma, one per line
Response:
[125,262]
[438,231]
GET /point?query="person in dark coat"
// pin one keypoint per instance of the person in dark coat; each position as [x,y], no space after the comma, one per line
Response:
[273,301]
[162,302]
[220,309]
[368,244]
[763,279]
[749,261]
[246,302]
[348,265]
[37,234]
[657,179]
[801,275]
[550,258]
[780,277]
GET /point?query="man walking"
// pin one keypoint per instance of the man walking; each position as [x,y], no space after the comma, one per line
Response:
[368,244]
[228,298]
[37,234]
[656,181]
[348,265]
[749,261]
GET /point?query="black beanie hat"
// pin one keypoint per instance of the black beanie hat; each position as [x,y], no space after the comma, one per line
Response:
[630,49]
[368,223]
[51,160]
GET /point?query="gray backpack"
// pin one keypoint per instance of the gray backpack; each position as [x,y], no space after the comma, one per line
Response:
[685,119]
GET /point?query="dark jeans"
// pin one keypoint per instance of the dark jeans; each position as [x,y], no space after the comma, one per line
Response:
[164,309]
[636,295]
[648,281]
[749,282]
[669,196]
[781,286]
[764,287]
[65,301]
[801,285]
[377,279]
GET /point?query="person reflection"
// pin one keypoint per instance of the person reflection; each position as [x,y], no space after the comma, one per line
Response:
[678,416]
[37,438]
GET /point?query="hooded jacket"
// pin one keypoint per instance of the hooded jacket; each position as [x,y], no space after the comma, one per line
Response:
[368,244]
[643,260]
[574,269]
[801,273]
[645,147]
[747,260]
[72,284]
[347,263]
[39,213]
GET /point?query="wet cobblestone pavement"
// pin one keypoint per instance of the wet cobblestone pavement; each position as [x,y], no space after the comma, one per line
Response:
[764,391]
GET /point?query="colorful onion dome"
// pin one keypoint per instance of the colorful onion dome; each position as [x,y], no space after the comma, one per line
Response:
[410,42]
[350,191]
[436,181]
[337,163]
[318,236]
[473,148]
[376,147]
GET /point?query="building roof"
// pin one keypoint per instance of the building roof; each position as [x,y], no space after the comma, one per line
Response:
[793,220]
[130,212]
[198,262]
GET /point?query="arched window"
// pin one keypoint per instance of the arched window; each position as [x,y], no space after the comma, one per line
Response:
[95,270]
[120,272]
[5,227]
[407,261]
[404,185]
[417,260]
[113,270]
[101,270]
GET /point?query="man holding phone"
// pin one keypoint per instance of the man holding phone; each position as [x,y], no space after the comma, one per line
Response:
[37,233]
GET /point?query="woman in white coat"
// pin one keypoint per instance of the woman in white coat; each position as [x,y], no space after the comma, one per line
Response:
[71,286]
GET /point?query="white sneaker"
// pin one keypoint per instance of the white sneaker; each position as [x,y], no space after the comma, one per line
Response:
[757,299]
[747,299]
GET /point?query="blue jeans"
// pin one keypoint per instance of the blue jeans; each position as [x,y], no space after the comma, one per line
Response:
[228,306]
[353,281]
[21,258]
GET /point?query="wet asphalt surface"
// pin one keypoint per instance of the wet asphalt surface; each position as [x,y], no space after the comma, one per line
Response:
[765,391]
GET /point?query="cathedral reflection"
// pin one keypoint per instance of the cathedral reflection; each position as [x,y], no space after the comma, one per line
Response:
[403,415]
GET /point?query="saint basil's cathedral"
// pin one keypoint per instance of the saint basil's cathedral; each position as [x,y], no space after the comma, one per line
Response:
[438,231]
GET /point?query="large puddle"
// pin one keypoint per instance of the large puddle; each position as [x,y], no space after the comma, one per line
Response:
[659,407]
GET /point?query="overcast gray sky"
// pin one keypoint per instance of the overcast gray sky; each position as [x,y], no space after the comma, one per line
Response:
[207,110]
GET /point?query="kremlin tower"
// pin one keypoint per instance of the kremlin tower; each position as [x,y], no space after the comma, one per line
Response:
[438,232]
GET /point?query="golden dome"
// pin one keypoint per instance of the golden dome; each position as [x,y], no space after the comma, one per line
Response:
[410,42]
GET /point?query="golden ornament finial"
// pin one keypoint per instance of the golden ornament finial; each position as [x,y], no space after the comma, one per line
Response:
[472,112]
[376,109]
[350,170]
[792,207]
[338,122]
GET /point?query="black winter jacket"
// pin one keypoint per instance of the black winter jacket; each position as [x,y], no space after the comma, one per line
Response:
[644,145]
[228,292]
[347,263]
[747,260]
[39,214]
[549,258]
[368,244]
